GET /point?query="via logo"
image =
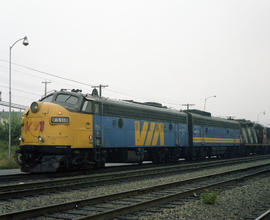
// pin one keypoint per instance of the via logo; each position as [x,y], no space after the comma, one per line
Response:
[150,133]
[39,125]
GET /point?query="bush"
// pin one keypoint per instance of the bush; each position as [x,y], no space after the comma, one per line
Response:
[209,197]
[5,162]
[15,128]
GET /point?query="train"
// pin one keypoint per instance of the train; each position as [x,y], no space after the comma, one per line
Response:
[70,130]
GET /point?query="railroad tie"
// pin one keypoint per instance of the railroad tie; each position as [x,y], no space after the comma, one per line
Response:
[73,213]
[57,217]
[102,207]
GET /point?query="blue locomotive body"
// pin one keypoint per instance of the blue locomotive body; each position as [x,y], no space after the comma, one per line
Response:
[215,132]
[131,133]
[104,130]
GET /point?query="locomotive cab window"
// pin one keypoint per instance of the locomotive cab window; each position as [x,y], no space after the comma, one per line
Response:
[96,108]
[48,98]
[87,107]
[70,99]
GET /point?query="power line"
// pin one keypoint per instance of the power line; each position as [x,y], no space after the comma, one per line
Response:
[46,73]
[75,81]
[60,77]
[39,77]
[20,90]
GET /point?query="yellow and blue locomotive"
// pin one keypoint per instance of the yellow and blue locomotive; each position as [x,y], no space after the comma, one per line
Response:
[72,130]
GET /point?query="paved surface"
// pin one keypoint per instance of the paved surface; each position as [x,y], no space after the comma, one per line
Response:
[9,172]
[18,171]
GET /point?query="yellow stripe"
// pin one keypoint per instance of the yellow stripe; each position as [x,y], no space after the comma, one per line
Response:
[215,140]
[205,138]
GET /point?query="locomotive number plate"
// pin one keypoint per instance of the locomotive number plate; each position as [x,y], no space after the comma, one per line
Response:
[59,120]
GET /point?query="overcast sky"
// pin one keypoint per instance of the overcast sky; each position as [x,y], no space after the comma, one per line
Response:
[173,52]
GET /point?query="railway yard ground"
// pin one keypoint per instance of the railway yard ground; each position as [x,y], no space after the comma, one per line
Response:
[242,186]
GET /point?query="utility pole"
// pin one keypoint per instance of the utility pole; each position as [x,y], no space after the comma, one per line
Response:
[45,82]
[188,105]
[100,88]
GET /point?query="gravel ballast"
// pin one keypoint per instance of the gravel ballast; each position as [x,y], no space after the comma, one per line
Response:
[236,203]
[31,202]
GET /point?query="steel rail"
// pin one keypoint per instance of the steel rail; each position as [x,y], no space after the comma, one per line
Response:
[134,168]
[157,201]
[264,216]
[30,213]
[19,190]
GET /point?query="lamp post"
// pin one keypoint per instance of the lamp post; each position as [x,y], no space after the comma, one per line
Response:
[259,115]
[213,96]
[25,43]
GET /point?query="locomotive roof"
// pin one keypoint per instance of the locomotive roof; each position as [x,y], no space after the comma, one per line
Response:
[214,121]
[133,104]
[128,107]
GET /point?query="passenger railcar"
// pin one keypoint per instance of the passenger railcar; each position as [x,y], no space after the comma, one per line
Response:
[71,130]
[212,136]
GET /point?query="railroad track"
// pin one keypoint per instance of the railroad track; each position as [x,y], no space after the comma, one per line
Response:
[120,204]
[262,212]
[13,178]
[70,183]
[264,216]
[6,179]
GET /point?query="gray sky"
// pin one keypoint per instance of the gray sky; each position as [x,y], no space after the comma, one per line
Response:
[173,52]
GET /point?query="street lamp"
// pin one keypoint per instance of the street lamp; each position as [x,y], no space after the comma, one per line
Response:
[25,43]
[213,96]
[259,115]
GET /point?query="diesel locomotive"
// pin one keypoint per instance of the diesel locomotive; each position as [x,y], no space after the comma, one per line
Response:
[69,130]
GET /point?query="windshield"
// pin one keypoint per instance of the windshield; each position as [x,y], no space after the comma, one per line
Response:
[67,100]
[48,98]
[70,99]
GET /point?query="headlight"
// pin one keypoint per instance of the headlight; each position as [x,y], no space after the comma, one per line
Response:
[59,120]
[34,107]
[40,139]
[21,139]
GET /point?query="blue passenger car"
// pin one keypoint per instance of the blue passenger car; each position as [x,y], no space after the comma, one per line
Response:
[213,136]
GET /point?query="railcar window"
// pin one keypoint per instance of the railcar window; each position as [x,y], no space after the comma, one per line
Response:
[87,107]
[48,99]
[120,123]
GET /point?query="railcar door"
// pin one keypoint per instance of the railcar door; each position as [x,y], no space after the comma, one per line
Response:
[181,135]
[87,120]
[98,121]
[178,136]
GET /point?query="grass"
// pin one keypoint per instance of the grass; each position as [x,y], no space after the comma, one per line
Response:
[209,197]
[5,162]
